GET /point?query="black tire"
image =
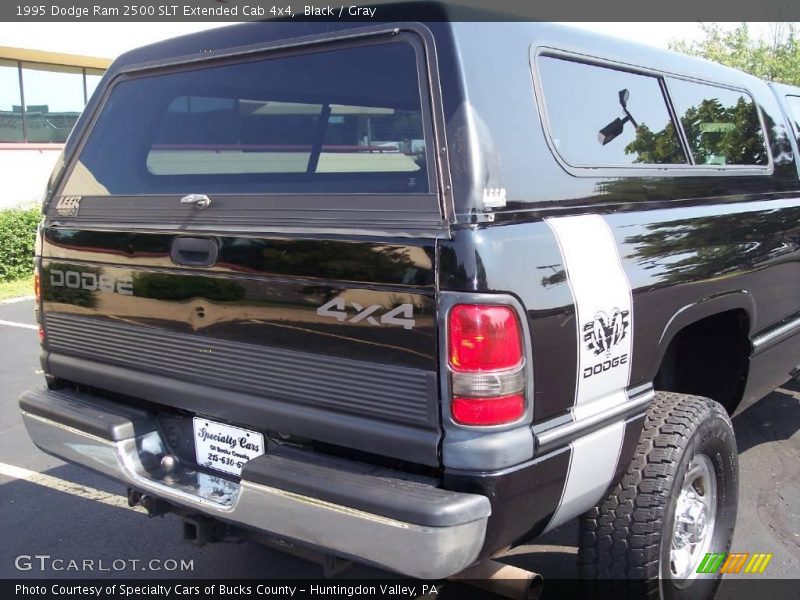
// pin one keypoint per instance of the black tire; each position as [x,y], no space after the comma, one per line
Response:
[629,535]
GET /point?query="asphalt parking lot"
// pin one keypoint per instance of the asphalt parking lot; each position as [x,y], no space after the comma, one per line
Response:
[51,508]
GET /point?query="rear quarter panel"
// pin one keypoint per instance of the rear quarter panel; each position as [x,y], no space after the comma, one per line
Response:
[689,245]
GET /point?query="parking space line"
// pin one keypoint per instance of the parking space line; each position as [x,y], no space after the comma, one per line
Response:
[17,299]
[20,325]
[69,487]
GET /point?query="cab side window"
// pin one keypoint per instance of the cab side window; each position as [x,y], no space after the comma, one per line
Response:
[607,117]
[602,115]
[721,125]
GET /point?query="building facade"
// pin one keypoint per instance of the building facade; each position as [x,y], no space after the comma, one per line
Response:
[41,96]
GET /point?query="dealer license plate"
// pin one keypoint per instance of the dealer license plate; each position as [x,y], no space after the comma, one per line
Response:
[224,447]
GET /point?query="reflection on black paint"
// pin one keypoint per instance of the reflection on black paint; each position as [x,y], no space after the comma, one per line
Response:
[559,275]
[702,248]
[373,262]
[54,288]
[124,243]
[337,260]
[163,286]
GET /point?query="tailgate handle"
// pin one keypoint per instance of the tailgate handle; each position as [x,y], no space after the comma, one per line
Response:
[194,251]
[199,200]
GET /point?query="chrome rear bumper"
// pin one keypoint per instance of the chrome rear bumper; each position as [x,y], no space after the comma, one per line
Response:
[132,454]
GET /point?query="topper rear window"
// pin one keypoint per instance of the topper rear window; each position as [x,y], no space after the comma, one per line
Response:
[346,120]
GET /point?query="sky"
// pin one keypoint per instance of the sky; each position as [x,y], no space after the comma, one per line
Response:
[108,40]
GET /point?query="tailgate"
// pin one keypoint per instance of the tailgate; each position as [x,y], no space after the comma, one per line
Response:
[257,246]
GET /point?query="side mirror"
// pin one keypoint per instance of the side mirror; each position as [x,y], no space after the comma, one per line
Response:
[611,131]
[623,97]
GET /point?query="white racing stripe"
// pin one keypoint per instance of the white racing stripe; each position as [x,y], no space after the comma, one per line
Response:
[594,461]
[604,331]
[603,304]
[62,485]
[20,325]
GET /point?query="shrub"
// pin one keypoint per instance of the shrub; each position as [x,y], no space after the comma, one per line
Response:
[17,240]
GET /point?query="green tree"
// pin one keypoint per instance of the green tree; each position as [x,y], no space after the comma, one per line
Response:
[776,58]
[651,148]
[716,134]
[737,139]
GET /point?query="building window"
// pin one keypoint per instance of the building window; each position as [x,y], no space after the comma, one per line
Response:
[54,98]
[10,103]
[93,77]
[40,103]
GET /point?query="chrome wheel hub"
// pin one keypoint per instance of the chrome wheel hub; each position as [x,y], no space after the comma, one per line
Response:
[695,513]
[691,521]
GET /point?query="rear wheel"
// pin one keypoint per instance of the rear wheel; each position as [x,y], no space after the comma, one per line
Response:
[676,503]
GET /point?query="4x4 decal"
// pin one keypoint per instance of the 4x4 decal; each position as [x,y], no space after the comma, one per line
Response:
[399,315]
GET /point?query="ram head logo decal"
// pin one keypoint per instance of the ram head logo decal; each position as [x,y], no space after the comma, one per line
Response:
[604,332]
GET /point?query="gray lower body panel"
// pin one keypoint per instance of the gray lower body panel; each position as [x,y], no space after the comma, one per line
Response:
[58,423]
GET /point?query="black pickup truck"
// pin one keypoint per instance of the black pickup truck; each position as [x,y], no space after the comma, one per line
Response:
[414,293]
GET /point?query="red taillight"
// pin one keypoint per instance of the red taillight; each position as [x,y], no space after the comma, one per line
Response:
[37,291]
[486,361]
[484,338]
[488,411]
